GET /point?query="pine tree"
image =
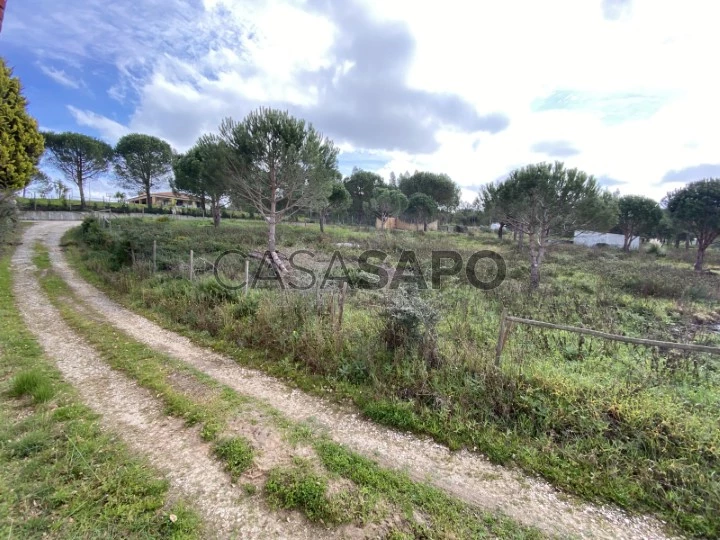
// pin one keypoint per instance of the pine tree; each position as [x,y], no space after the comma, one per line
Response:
[21,144]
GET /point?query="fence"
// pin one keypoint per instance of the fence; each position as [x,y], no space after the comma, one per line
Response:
[507,321]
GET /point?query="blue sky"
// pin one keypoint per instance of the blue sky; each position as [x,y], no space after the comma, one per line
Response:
[624,89]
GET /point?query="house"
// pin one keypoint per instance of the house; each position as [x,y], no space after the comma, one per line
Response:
[399,224]
[168,198]
[591,238]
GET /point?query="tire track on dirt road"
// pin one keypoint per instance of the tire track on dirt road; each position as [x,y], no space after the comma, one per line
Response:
[465,475]
[137,418]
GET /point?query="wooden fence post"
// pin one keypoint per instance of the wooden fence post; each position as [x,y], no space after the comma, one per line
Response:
[192,272]
[501,337]
[154,256]
[247,276]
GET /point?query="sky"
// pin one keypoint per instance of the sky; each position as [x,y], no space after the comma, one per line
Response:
[625,90]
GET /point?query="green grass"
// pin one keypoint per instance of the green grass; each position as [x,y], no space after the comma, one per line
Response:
[32,383]
[61,475]
[211,405]
[305,485]
[611,423]
[237,454]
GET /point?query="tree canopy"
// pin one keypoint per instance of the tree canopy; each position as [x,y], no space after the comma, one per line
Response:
[278,164]
[439,187]
[21,144]
[203,172]
[361,184]
[142,162]
[697,207]
[541,198]
[421,208]
[637,215]
[388,202]
[80,158]
[338,201]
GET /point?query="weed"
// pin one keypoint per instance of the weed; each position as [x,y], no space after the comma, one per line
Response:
[237,454]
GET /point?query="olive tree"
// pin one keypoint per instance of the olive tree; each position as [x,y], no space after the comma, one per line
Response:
[279,165]
[697,207]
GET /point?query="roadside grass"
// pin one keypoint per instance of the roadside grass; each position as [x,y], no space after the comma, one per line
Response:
[306,485]
[61,475]
[207,404]
[612,423]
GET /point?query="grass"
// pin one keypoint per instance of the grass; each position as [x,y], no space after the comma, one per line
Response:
[210,405]
[61,475]
[32,383]
[307,485]
[612,423]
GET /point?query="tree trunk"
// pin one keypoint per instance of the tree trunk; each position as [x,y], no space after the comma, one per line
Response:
[536,243]
[677,242]
[216,213]
[81,189]
[424,226]
[687,241]
[322,222]
[700,257]
[271,225]
[520,237]
[148,200]
[500,230]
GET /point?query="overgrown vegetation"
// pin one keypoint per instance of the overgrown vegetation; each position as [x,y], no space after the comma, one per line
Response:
[328,489]
[61,475]
[624,424]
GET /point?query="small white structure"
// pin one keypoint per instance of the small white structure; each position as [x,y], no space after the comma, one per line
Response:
[592,238]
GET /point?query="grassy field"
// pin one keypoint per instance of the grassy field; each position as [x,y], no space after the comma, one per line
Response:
[630,425]
[61,476]
[368,494]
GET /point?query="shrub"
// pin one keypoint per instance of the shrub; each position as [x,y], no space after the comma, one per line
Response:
[655,247]
[410,323]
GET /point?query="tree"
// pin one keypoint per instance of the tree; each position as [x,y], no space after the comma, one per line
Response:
[39,181]
[361,184]
[697,207]
[387,202]
[120,197]
[21,145]
[203,172]
[142,162]
[338,201]
[278,164]
[80,158]
[437,186]
[637,216]
[421,208]
[538,199]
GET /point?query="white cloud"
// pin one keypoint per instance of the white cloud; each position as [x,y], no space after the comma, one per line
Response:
[109,130]
[652,65]
[60,77]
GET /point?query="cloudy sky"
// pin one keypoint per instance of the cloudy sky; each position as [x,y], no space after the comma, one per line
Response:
[624,89]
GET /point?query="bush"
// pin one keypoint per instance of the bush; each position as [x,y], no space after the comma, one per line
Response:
[410,324]
[655,247]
